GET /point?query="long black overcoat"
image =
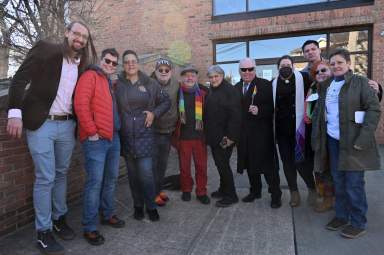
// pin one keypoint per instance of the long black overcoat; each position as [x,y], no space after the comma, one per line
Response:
[256,149]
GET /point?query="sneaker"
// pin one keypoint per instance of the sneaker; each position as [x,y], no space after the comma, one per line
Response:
[204,199]
[352,232]
[62,230]
[251,197]
[186,196]
[295,199]
[94,238]
[226,202]
[164,196]
[335,224]
[47,244]
[153,215]
[217,194]
[138,213]
[159,201]
[113,222]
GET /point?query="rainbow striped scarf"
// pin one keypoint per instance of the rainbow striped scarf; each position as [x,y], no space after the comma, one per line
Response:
[198,105]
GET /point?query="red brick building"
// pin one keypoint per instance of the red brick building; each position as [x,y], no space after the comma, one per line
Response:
[204,32]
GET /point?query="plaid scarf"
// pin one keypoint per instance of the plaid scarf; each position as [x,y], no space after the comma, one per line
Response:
[198,105]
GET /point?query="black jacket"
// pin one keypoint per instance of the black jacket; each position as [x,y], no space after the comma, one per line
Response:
[42,69]
[222,114]
[137,140]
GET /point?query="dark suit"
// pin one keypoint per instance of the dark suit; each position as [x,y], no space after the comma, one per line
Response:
[42,68]
[256,150]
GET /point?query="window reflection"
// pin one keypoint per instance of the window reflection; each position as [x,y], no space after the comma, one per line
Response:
[231,51]
[231,72]
[221,7]
[256,5]
[352,41]
[274,48]
[267,51]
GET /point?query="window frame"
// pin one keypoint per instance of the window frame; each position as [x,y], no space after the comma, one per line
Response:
[327,32]
[321,6]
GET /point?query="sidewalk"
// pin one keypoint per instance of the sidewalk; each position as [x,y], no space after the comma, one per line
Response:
[193,228]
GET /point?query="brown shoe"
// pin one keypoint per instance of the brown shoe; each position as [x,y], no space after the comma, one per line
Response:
[336,224]
[312,197]
[114,222]
[352,232]
[94,238]
[325,205]
[295,199]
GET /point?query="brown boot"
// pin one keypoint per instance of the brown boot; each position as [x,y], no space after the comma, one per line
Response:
[295,199]
[325,205]
[312,197]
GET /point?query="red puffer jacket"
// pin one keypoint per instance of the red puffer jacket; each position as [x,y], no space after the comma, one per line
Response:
[93,105]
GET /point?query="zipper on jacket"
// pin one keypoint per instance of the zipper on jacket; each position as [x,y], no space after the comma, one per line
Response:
[134,140]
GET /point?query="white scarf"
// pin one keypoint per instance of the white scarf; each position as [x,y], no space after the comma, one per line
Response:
[299,96]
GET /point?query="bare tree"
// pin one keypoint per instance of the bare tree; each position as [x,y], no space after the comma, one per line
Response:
[24,22]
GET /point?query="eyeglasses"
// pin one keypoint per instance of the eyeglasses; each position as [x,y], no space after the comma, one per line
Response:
[322,70]
[130,62]
[249,69]
[161,70]
[108,61]
[78,35]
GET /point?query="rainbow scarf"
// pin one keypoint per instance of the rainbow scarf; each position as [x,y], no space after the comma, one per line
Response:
[198,105]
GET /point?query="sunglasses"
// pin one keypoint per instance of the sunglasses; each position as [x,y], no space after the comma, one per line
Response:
[249,69]
[322,70]
[161,70]
[108,62]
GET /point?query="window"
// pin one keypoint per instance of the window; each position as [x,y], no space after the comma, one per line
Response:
[266,51]
[244,9]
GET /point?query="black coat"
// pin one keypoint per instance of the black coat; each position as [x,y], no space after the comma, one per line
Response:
[256,150]
[42,69]
[137,139]
[222,114]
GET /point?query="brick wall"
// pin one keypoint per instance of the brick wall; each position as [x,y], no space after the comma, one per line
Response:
[16,180]
[184,28]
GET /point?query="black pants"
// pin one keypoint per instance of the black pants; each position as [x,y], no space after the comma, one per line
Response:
[272,178]
[221,157]
[305,168]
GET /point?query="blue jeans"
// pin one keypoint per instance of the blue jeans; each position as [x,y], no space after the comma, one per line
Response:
[141,181]
[351,202]
[102,159]
[162,147]
[51,148]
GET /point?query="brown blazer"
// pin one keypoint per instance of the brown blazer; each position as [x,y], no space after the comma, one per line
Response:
[42,69]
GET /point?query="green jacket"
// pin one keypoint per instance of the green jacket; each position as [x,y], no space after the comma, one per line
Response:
[355,95]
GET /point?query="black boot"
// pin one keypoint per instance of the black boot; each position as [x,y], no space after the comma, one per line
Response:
[61,228]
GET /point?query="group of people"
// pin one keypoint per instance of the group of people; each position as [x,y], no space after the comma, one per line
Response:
[322,118]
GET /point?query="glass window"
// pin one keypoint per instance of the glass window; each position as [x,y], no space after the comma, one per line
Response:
[231,51]
[267,51]
[274,48]
[231,72]
[352,41]
[221,7]
[257,5]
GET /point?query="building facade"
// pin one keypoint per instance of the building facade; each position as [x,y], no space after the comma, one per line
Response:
[204,32]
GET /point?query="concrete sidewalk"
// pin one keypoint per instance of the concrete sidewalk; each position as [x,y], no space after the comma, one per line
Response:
[193,228]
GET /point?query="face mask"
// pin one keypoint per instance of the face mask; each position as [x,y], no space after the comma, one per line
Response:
[285,72]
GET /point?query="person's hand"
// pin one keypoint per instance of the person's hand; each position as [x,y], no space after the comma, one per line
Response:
[356,147]
[149,118]
[15,127]
[374,85]
[94,137]
[253,109]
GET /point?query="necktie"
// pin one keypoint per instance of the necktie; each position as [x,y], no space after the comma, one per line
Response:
[245,88]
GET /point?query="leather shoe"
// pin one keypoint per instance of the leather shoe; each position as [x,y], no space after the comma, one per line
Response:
[94,238]
[114,222]
[226,202]
[186,196]
[276,202]
[251,197]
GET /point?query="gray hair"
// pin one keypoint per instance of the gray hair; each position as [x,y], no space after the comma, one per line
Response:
[215,69]
[248,60]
